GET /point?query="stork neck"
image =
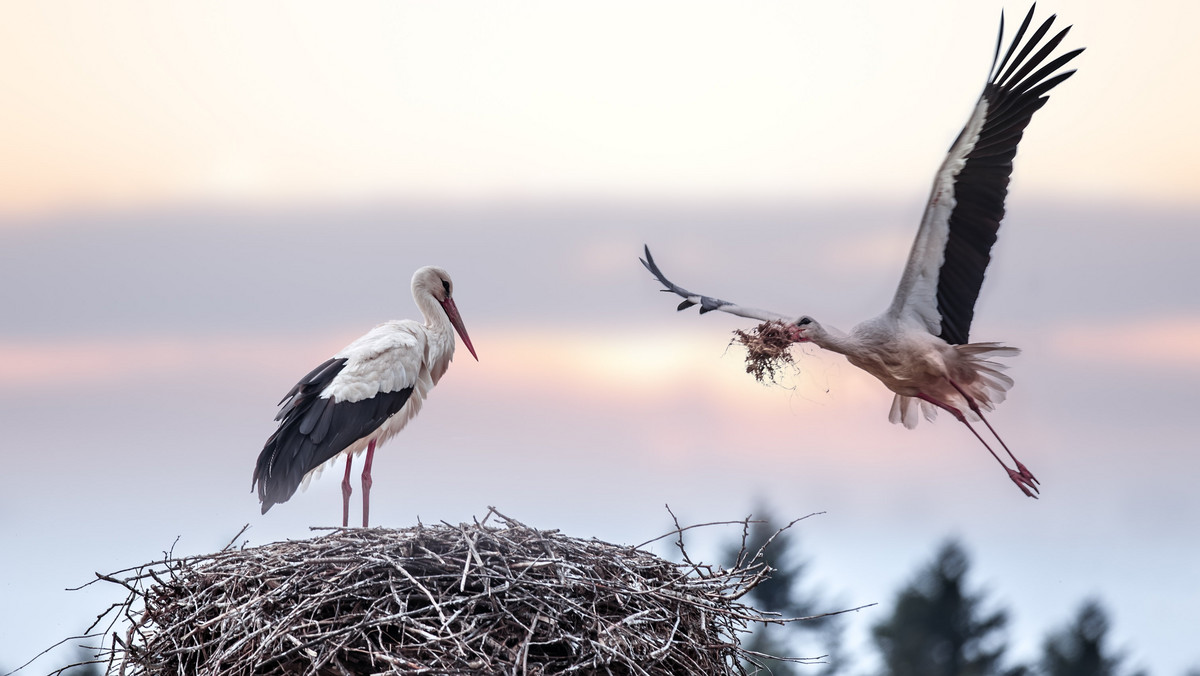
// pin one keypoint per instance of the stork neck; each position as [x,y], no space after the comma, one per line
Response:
[439,332]
[832,339]
[435,316]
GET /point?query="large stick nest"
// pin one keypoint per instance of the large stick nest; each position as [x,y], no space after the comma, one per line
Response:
[473,598]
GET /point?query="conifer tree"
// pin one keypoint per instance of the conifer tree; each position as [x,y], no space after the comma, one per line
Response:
[939,627]
[1080,649]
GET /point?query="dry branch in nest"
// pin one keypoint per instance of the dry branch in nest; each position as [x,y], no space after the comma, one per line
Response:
[766,349]
[468,599]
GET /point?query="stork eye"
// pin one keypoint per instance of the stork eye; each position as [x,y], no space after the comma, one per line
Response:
[804,321]
[446,286]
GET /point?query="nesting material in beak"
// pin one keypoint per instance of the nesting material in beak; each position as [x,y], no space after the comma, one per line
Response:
[766,349]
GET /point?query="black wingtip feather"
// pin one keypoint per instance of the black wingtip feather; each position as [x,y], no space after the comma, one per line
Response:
[1030,44]
[1016,40]
[1014,82]
[1017,88]
[668,285]
[999,43]
[648,261]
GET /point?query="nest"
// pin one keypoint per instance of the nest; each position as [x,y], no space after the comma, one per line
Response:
[766,349]
[467,599]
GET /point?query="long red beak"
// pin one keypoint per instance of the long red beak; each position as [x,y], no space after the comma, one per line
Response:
[452,312]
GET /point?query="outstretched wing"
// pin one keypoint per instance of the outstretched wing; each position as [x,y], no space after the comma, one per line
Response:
[706,303]
[953,246]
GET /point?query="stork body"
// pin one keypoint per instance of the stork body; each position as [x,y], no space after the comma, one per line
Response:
[362,396]
[919,346]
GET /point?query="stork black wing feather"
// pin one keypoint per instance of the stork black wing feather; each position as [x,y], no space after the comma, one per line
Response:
[997,66]
[1010,81]
[313,415]
[1053,82]
[313,429]
[323,424]
[707,303]
[1012,96]
[1029,45]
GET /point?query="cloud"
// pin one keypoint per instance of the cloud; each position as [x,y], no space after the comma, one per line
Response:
[96,363]
[1163,343]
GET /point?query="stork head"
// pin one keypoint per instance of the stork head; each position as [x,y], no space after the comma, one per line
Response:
[803,328]
[436,283]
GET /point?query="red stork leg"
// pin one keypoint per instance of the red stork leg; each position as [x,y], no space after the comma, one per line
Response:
[1017,477]
[366,481]
[1025,473]
[346,490]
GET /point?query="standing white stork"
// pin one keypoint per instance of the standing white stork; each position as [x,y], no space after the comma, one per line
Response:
[362,396]
[918,347]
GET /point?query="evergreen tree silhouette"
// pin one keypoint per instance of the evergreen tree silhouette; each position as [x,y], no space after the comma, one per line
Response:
[1079,649]
[940,628]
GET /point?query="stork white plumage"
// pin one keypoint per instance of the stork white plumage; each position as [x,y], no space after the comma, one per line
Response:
[919,346]
[362,396]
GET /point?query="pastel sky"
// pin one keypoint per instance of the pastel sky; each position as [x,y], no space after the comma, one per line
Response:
[202,201]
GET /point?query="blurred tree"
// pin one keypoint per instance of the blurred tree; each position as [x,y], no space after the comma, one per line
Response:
[1079,648]
[784,593]
[939,628]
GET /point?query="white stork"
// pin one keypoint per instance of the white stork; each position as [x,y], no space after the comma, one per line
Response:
[362,396]
[919,346]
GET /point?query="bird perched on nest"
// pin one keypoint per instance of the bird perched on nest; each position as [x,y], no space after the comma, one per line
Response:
[362,396]
[919,346]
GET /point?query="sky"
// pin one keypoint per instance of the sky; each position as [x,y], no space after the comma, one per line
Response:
[203,201]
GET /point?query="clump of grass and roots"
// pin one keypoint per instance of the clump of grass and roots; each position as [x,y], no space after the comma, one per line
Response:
[489,597]
[767,349]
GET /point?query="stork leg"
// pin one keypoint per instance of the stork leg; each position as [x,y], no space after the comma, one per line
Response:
[366,481]
[1019,479]
[346,490]
[1025,473]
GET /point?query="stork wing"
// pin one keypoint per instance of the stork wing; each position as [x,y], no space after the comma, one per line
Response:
[338,405]
[707,303]
[953,246]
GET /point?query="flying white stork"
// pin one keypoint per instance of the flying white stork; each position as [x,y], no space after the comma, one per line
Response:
[918,347]
[362,396]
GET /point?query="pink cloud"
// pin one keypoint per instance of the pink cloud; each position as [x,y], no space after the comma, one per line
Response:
[36,365]
[1167,342]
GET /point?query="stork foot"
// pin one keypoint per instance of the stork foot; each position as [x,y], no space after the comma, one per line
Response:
[1025,473]
[1024,481]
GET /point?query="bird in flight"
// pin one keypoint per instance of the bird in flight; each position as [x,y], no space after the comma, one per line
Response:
[919,347]
[362,396]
